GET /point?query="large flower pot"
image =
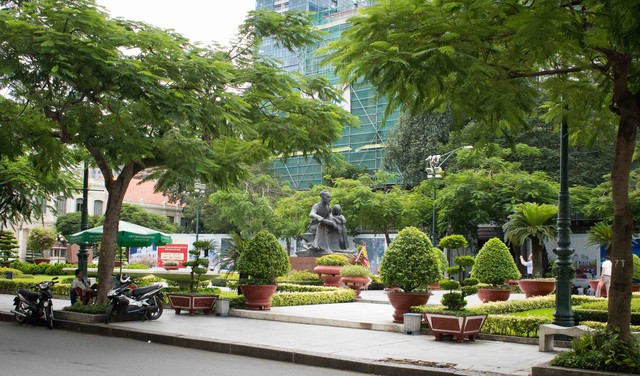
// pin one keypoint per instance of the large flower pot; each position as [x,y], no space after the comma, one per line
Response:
[356,283]
[635,287]
[459,327]
[329,274]
[534,287]
[403,301]
[493,295]
[192,303]
[171,267]
[41,260]
[258,297]
[594,285]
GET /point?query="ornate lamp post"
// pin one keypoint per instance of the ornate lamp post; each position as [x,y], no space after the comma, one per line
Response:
[198,189]
[434,171]
[565,272]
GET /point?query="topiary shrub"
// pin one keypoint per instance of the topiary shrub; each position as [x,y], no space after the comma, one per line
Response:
[8,246]
[443,263]
[409,263]
[494,264]
[453,242]
[455,300]
[636,267]
[333,259]
[263,259]
[355,271]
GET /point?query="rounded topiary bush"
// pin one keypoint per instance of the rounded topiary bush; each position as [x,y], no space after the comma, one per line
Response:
[355,271]
[410,263]
[494,264]
[333,260]
[263,258]
[636,267]
[453,242]
[443,263]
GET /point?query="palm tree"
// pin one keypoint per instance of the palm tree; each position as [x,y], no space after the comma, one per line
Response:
[534,221]
[600,234]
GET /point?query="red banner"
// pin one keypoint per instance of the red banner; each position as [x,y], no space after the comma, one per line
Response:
[172,252]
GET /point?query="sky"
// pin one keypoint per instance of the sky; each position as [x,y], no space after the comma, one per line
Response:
[199,20]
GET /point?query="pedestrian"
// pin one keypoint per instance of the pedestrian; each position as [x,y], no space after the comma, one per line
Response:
[605,276]
[590,291]
[580,290]
[528,264]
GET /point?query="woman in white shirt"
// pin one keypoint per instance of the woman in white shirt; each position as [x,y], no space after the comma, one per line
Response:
[528,264]
[605,276]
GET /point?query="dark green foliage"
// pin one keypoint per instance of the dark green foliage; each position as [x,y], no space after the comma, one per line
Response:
[197,264]
[8,246]
[264,259]
[636,267]
[443,263]
[68,224]
[456,300]
[140,216]
[333,259]
[47,269]
[518,326]
[494,264]
[41,239]
[602,351]
[409,262]
[453,242]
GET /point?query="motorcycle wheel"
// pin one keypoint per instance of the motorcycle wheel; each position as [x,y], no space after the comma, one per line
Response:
[48,315]
[156,315]
[111,311]
[20,319]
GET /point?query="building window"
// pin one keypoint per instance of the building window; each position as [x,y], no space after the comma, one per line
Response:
[61,206]
[78,204]
[171,219]
[97,207]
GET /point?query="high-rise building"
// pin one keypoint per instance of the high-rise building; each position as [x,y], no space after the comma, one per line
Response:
[363,146]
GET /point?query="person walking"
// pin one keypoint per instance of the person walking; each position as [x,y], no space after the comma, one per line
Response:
[605,277]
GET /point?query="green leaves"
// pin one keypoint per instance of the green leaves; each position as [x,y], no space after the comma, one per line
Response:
[494,264]
[263,258]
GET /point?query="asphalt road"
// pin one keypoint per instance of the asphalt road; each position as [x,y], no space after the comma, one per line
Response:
[32,350]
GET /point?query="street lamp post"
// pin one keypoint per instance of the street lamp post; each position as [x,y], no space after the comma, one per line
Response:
[199,189]
[434,171]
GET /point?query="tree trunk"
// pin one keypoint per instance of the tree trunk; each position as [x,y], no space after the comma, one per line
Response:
[536,252]
[387,238]
[621,278]
[108,246]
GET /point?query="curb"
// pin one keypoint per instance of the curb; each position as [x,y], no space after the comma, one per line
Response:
[366,366]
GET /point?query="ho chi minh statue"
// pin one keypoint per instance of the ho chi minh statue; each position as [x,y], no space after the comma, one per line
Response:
[327,232]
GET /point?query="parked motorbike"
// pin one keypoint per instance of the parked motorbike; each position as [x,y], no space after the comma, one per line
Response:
[35,304]
[144,302]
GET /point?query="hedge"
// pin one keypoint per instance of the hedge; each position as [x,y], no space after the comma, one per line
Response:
[292,287]
[16,272]
[517,326]
[285,299]
[580,315]
[603,325]
[47,269]
[8,286]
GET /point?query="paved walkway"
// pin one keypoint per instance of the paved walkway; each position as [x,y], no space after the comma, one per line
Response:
[373,351]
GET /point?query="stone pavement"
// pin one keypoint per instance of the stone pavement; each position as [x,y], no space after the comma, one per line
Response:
[381,352]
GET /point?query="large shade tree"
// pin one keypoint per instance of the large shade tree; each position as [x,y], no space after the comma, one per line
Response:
[137,98]
[495,61]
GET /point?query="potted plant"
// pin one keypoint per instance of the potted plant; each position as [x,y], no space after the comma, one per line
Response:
[451,243]
[410,264]
[170,265]
[636,274]
[356,277]
[455,320]
[40,240]
[8,246]
[494,266]
[262,261]
[533,221]
[191,299]
[329,268]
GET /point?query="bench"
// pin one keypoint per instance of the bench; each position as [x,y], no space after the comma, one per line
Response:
[548,331]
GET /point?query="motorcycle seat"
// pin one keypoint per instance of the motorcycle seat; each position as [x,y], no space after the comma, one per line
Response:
[29,295]
[143,290]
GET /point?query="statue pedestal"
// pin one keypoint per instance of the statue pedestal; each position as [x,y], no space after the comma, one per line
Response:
[303,263]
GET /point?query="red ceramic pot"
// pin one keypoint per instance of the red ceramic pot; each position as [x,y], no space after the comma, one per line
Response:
[403,301]
[330,274]
[460,327]
[258,297]
[355,283]
[493,295]
[534,287]
[594,285]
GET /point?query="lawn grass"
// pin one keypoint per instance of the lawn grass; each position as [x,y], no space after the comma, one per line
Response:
[542,312]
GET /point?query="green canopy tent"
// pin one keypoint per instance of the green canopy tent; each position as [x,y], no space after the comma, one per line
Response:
[129,235]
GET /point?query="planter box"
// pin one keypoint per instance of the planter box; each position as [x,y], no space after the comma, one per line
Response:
[192,303]
[86,318]
[547,370]
[459,327]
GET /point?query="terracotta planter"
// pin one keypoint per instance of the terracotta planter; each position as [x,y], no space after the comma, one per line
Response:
[329,274]
[493,295]
[594,285]
[402,303]
[356,283]
[192,303]
[171,267]
[635,287]
[258,297]
[434,286]
[41,260]
[117,263]
[460,327]
[533,287]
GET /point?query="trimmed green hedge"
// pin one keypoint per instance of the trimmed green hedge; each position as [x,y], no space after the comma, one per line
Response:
[8,286]
[518,326]
[580,315]
[47,269]
[285,299]
[603,325]
[521,305]
[292,287]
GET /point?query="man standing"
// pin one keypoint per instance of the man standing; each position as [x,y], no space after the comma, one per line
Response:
[605,276]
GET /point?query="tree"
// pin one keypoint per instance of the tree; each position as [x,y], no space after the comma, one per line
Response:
[495,62]
[68,224]
[600,234]
[8,246]
[534,221]
[140,98]
[140,216]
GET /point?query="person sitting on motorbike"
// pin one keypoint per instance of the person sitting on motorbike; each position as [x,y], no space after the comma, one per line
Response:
[81,289]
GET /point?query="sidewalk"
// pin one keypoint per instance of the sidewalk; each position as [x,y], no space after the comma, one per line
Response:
[370,351]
